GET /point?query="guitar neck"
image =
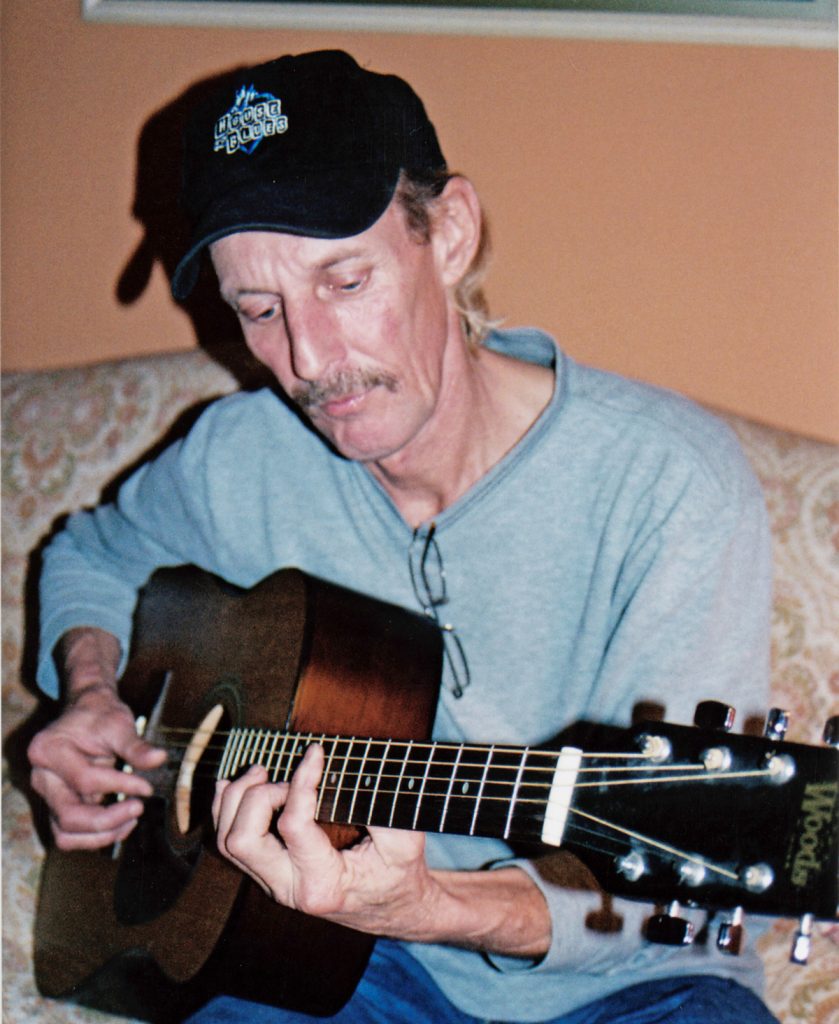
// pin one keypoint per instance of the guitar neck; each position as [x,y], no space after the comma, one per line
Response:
[653,816]
[487,790]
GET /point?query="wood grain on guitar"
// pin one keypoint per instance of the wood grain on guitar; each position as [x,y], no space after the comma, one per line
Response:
[668,814]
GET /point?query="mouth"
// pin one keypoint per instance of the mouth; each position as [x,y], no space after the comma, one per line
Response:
[342,405]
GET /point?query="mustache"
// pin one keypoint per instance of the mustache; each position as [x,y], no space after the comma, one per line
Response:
[340,385]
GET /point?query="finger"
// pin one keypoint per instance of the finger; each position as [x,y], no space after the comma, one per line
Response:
[87,776]
[91,840]
[141,755]
[302,804]
[249,840]
[228,798]
[221,785]
[72,815]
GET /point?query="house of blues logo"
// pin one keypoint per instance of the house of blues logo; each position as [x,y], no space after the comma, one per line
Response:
[253,117]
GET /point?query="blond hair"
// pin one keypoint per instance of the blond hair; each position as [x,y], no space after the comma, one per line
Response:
[417,196]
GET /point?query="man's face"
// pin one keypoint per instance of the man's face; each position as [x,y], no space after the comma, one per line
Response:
[355,330]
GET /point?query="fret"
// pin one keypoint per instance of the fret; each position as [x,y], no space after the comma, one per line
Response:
[246,751]
[402,766]
[236,757]
[481,786]
[277,767]
[305,742]
[269,760]
[325,792]
[289,768]
[377,787]
[497,792]
[260,752]
[228,747]
[512,805]
[406,797]
[338,814]
[368,782]
[358,782]
[449,790]
[436,784]
[422,788]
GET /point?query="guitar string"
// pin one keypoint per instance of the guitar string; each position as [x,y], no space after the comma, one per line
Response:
[419,746]
[451,745]
[352,784]
[687,770]
[352,780]
[255,756]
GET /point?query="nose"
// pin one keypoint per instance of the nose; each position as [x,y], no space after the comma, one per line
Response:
[314,340]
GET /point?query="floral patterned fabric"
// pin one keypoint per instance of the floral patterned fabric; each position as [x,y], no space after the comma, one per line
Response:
[68,434]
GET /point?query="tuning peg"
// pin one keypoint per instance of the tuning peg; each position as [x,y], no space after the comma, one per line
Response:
[670,929]
[713,714]
[802,940]
[831,732]
[777,723]
[730,935]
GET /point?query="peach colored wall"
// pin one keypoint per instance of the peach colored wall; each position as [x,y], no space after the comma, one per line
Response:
[669,211]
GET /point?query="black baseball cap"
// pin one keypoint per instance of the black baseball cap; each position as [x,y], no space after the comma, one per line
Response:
[309,145]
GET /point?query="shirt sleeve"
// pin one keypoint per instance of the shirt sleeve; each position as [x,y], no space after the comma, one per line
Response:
[166,514]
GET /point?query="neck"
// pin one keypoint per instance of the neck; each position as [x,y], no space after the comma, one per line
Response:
[457,788]
[487,407]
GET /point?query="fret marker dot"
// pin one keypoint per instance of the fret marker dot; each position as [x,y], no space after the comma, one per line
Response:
[367,780]
[410,783]
[464,788]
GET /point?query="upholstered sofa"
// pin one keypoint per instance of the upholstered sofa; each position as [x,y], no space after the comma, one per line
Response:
[69,434]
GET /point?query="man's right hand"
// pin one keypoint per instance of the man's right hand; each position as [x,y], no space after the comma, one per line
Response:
[74,758]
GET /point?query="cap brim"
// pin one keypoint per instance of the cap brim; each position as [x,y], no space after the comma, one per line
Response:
[315,208]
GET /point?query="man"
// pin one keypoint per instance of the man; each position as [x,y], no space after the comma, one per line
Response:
[601,545]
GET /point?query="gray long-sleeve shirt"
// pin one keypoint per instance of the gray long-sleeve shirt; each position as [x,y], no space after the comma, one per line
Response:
[618,555]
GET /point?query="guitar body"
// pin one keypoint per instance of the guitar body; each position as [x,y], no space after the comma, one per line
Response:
[159,925]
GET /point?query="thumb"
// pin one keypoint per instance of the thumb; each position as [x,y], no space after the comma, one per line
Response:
[397,846]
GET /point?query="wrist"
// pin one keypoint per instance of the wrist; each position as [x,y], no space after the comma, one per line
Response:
[89,659]
[89,693]
[498,912]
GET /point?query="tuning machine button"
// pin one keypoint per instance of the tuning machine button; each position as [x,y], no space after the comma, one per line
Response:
[802,940]
[658,749]
[831,732]
[632,865]
[777,723]
[713,714]
[670,929]
[730,935]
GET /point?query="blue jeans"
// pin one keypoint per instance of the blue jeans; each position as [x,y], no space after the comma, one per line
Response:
[396,989]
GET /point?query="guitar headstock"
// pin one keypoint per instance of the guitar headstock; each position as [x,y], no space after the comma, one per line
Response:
[704,817]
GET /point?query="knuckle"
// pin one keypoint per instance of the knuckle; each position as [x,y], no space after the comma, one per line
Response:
[237,844]
[38,749]
[316,903]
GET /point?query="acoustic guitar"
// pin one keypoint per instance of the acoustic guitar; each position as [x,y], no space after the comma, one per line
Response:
[226,678]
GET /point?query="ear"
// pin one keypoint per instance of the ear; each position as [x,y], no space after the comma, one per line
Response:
[456,229]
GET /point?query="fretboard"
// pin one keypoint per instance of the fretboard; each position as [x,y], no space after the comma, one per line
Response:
[465,789]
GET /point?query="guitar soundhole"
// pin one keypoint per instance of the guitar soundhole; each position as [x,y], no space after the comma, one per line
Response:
[157,860]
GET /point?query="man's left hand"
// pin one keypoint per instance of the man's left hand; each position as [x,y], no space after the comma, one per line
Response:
[381,885]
